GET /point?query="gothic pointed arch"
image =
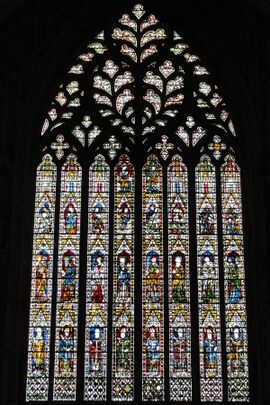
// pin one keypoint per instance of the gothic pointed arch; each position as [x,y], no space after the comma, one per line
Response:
[139,119]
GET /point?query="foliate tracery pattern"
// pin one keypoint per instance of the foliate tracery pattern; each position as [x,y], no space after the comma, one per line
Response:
[156,69]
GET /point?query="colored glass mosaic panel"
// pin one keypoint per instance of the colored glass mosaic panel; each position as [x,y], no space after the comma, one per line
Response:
[123,282]
[208,282]
[41,289]
[234,282]
[66,336]
[97,282]
[152,282]
[179,282]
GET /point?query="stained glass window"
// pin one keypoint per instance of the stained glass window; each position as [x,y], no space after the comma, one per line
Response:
[138,272]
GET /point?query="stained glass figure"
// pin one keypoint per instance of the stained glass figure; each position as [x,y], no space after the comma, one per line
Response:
[234,276]
[179,282]
[65,367]
[152,282]
[211,386]
[41,290]
[96,329]
[123,282]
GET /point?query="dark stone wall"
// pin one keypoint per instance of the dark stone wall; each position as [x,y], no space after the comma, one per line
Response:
[38,39]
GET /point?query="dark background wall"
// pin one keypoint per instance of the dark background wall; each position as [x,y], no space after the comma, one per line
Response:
[38,40]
